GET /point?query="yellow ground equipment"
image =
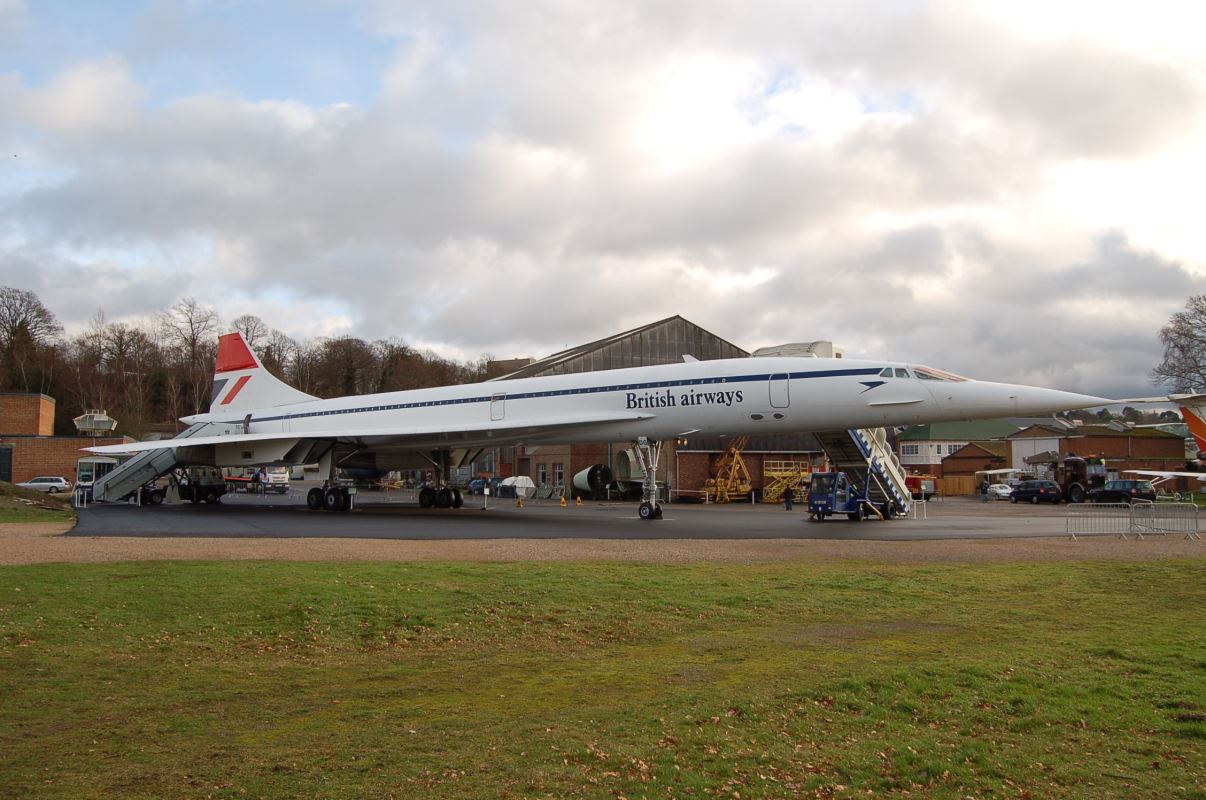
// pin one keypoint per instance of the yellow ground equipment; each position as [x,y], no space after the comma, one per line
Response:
[730,477]
[778,475]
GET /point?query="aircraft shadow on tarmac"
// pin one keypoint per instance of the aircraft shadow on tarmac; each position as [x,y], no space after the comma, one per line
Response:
[280,518]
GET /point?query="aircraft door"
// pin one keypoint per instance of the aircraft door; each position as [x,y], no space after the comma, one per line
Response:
[497,406]
[780,393]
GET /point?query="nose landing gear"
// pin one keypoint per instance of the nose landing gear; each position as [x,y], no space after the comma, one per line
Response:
[649,453]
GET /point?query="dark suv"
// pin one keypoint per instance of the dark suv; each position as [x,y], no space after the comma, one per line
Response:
[1123,492]
[1037,492]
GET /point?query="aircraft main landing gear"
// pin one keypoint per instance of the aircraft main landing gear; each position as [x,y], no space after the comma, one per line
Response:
[443,497]
[332,498]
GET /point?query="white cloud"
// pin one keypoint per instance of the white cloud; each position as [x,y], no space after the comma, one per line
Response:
[945,183]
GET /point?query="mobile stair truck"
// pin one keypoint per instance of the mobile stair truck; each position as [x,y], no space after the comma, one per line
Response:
[832,493]
[864,479]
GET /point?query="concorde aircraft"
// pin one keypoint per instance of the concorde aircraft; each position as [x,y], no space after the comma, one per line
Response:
[256,419]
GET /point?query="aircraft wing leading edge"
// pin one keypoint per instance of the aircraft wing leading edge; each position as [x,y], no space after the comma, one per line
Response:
[497,432]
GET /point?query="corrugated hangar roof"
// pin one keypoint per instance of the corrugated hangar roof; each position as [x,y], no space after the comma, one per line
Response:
[663,342]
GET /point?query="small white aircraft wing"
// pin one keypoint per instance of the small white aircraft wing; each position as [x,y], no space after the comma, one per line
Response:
[493,432]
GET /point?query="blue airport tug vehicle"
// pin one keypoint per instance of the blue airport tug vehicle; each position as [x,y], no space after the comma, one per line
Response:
[832,493]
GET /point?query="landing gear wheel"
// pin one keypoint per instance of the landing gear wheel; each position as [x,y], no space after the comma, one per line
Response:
[426,497]
[334,500]
[657,512]
[443,497]
[314,499]
[647,511]
[457,499]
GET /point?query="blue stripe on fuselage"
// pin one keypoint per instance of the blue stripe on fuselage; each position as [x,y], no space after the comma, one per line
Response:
[622,387]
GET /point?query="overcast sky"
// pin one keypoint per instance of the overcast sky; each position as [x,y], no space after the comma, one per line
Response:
[1007,190]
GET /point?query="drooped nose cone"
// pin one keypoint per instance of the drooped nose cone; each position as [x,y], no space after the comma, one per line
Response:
[1036,400]
[985,400]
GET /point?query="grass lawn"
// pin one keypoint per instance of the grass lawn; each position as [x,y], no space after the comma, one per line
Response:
[603,680]
[26,505]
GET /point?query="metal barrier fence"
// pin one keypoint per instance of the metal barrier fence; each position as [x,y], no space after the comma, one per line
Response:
[1165,518]
[1122,519]
[1097,519]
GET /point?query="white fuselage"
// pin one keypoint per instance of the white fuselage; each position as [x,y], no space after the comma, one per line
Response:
[733,396]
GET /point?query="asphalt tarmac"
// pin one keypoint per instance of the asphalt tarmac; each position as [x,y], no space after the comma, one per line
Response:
[381,516]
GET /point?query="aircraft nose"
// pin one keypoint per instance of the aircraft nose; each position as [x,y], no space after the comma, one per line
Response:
[1036,400]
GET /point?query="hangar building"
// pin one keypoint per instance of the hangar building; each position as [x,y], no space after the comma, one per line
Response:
[689,463]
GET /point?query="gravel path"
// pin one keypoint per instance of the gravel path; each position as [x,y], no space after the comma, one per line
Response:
[32,543]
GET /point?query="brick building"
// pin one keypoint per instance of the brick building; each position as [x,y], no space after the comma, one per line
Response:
[27,447]
[925,448]
[1122,446]
[974,457]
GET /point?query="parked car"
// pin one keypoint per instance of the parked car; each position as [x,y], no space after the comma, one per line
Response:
[1123,492]
[999,491]
[1037,492]
[50,485]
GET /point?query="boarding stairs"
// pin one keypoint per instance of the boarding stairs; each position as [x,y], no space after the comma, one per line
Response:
[125,478]
[867,459]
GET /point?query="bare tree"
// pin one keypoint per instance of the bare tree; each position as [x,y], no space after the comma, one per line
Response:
[253,329]
[344,366]
[1184,338]
[131,358]
[279,355]
[190,332]
[29,334]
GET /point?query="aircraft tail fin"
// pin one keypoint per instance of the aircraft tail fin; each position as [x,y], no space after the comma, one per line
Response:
[242,383]
[1193,411]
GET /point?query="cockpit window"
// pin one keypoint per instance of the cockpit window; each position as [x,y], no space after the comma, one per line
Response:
[886,372]
[931,374]
[901,372]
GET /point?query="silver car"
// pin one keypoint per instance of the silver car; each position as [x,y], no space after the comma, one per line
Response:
[47,484]
[999,491]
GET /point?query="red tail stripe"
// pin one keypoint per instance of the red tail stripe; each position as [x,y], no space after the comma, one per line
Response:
[239,384]
[1196,426]
[233,354]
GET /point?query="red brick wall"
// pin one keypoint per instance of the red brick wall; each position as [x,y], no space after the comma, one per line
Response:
[49,455]
[693,470]
[26,415]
